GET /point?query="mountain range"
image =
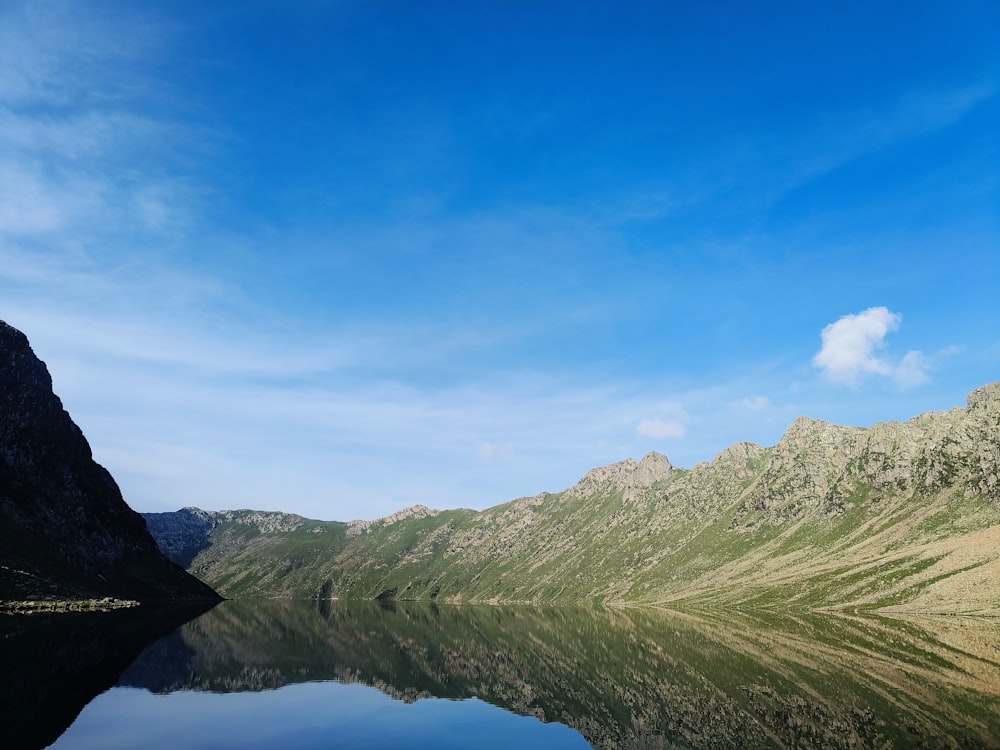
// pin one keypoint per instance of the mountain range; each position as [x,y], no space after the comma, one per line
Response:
[900,515]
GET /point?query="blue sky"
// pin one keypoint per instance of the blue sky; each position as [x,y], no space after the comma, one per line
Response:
[338,258]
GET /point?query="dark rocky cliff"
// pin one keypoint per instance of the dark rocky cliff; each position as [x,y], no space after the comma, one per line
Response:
[65,531]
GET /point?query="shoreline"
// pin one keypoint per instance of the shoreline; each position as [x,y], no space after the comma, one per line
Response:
[37,606]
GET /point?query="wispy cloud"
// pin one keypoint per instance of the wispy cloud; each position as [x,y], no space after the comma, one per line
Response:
[78,136]
[849,135]
[189,417]
[476,331]
[765,167]
[35,202]
[752,403]
[912,370]
[81,155]
[660,429]
[67,52]
[490,451]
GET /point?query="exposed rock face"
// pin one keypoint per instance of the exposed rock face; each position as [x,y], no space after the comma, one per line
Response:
[65,530]
[895,515]
[627,476]
[181,535]
[414,511]
[817,464]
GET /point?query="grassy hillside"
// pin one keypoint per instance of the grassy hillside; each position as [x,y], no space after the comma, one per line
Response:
[903,515]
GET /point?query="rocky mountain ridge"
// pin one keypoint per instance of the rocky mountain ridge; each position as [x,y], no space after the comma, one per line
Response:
[629,476]
[65,531]
[414,511]
[895,515]
[817,463]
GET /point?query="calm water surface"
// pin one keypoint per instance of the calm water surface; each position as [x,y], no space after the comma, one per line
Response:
[307,715]
[257,674]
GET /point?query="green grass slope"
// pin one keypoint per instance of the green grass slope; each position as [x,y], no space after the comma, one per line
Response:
[899,515]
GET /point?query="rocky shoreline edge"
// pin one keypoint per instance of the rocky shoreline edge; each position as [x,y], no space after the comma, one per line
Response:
[35,606]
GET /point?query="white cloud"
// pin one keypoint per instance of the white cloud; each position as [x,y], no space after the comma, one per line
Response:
[659,429]
[850,345]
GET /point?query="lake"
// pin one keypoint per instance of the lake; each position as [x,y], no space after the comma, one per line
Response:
[290,674]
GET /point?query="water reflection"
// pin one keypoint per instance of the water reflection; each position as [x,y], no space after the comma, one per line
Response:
[305,716]
[622,679]
[54,664]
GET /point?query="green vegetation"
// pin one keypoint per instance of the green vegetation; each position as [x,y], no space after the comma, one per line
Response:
[897,515]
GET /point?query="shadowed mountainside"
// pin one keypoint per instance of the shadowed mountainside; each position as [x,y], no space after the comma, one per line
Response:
[65,531]
[903,515]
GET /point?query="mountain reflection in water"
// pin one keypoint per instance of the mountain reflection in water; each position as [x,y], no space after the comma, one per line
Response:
[622,678]
[54,664]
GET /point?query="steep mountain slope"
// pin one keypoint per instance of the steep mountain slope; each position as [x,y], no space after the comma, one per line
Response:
[65,531]
[900,514]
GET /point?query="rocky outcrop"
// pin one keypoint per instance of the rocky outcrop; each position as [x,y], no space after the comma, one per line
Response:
[414,511]
[897,515]
[821,465]
[65,531]
[181,535]
[628,476]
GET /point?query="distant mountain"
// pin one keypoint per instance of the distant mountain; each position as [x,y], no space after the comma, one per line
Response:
[898,515]
[65,531]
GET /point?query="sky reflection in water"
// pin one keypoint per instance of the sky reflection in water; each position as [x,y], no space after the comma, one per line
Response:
[308,715]
[280,673]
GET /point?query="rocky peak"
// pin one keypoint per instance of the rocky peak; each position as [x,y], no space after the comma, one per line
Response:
[266,521]
[813,444]
[741,459]
[986,397]
[629,476]
[414,511]
[182,534]
[817,464]
[740,452]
